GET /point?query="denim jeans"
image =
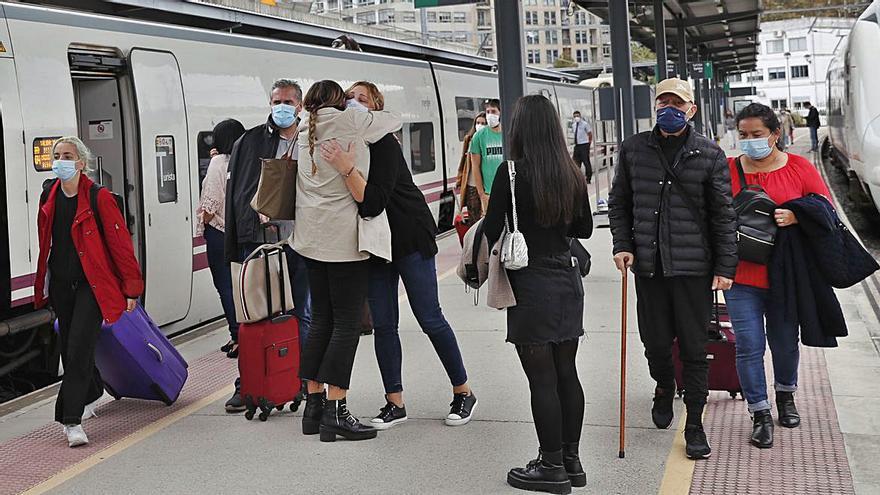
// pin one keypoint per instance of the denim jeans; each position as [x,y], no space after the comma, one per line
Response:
[221,276]
[814,138]
[419,276]
[748,307]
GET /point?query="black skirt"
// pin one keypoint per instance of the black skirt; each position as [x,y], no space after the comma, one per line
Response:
[549,302]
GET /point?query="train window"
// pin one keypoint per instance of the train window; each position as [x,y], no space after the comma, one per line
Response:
[420,140]
[205,142]
[43,153]
[466,110]
[166,169]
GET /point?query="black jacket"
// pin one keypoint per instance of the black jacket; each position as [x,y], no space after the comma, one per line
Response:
[797,283]
[647,211]
[242,222]
[813,118]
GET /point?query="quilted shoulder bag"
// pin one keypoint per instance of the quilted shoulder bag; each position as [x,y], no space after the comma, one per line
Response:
[514,252]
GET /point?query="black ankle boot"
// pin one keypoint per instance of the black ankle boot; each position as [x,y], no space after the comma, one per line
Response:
[788,413]
[661,412]
[544,474]
[762,429]
[572,462]
[336,420]
[312,413]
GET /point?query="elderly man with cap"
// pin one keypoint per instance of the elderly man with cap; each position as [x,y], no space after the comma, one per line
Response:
[673,224]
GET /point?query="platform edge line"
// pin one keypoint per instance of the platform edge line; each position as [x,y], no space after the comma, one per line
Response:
[679,471]
[100,456]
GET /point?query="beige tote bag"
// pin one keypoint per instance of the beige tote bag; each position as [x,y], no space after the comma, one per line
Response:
[261,284]
[276,191]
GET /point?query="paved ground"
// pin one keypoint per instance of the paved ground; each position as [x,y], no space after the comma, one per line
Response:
[194,447]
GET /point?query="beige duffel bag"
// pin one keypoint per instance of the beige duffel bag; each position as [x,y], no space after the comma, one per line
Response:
[261,284]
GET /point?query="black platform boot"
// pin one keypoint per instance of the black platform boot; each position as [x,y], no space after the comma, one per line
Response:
[762,429]
[572,462]
[312,413]
[336,420]
[788,413]
[544,474]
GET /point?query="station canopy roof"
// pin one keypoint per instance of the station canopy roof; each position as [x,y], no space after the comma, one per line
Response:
[723,31]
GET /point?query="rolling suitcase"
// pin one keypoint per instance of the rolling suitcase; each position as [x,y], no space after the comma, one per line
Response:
[721,353]
[136,360]
[268,354]
[461,226]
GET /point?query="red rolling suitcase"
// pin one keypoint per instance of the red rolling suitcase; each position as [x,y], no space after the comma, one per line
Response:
[268,358]
[721,353]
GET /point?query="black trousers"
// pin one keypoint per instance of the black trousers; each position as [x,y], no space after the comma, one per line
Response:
[339,292]
[79,324]
[581,155]
[670,308]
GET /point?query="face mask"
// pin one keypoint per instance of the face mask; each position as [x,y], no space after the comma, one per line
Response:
[283,115]
[671,119]
[480,127]
[64,169]
[756,149]
[493,120]
[577,119]
[352,103]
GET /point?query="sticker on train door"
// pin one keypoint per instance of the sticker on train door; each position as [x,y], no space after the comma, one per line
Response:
[166,169]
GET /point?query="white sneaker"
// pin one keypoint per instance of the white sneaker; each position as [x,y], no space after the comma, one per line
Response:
[89,410]
[75,435]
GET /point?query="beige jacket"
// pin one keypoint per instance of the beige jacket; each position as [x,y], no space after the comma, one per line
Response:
[489,269]
[326,227]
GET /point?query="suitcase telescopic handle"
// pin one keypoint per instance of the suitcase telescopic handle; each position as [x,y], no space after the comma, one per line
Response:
[156,351]
[280,273]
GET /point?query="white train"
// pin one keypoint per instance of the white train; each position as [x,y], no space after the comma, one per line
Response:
[145,96]
[854,106]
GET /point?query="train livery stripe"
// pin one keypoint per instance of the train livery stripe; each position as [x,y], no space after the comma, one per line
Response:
[22,302]
[23,281]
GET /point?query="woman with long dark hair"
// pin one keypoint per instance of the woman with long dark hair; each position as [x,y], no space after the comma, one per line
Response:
[326,235]
[210,225]
[465,182]
[552,207]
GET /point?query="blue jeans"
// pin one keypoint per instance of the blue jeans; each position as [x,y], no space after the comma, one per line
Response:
[748,307]
[222,277]
[419,276]
[814,138]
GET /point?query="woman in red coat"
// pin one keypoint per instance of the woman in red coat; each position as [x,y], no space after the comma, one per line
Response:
[88,277]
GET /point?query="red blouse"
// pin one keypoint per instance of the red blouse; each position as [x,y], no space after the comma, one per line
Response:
[795,180]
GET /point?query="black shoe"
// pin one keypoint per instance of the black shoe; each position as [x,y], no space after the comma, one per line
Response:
[696,443]
[336,420]
[572,462]
[461,409]
[662,412]
[311,421]
[235,404]
[233,352]
[544,474]
[762,429]
[366,331]
[788,413]
[227,346]
[389,416]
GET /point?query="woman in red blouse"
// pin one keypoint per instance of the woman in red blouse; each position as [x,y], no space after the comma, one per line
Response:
[784,177]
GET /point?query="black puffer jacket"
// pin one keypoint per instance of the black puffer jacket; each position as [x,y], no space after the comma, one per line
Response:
[647,210]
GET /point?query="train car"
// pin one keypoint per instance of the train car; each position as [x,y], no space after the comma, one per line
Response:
[854,107]
[144,97]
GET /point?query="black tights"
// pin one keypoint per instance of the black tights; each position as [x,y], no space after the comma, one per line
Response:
[557,395]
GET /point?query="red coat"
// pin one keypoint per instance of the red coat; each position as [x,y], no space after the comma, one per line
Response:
[109,264]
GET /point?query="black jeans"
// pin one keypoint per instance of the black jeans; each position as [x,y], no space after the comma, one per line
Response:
[670,308]
[581,156]
[339,292]
[79,324]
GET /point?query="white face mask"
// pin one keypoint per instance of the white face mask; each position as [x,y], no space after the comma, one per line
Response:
[577,119]
[352,103]
[493,119]
[480,127]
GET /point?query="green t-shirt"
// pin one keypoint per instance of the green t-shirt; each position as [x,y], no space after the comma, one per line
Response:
[487,144]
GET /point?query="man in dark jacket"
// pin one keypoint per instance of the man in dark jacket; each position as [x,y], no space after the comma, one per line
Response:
[813,123]
[245,228]
[672,221]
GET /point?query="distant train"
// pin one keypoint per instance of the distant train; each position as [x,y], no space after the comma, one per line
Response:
[854,107]
[144,97]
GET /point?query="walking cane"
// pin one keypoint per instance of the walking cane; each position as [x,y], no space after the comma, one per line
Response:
[621,453]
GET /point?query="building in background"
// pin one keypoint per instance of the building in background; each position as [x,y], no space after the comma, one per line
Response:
[793,60]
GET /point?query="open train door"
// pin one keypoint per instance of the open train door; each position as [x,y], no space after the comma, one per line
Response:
[161,116]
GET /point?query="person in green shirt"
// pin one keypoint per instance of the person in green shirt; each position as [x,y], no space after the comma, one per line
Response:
[486,151]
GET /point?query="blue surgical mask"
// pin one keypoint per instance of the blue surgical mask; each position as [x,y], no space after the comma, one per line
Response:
[756,149]
[352,103]
[671,119]
[64,169]
[283,115]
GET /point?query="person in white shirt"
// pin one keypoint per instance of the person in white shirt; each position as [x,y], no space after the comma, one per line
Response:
[583,136]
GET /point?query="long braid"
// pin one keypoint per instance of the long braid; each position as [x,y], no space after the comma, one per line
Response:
[313,127]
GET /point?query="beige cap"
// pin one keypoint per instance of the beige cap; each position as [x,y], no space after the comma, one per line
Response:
[676,86]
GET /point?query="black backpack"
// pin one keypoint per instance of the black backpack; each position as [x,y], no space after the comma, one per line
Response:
[756,227]
[93,199]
